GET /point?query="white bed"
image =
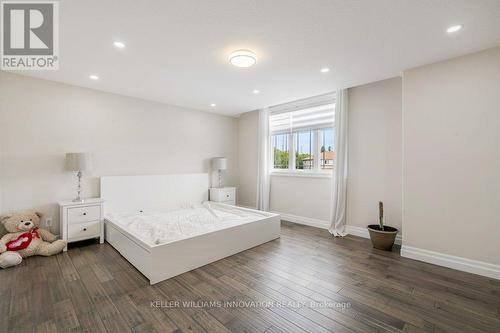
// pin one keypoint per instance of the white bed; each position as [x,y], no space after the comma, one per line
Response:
[164,226]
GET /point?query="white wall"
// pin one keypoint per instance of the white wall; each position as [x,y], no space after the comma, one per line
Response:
[375,148]
[248,125]
[299,196]
[305,197]
[41,120]
[451,117]
[374,170]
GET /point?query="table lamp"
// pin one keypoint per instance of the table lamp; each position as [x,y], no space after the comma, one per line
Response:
[78,162]
[219,164]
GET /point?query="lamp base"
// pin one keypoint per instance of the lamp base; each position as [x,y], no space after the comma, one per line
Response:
[79,188]
[220,178]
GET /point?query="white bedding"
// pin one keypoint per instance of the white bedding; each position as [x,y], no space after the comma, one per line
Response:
[160,227]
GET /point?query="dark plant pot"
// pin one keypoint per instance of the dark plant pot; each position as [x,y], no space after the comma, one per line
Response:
[382,239]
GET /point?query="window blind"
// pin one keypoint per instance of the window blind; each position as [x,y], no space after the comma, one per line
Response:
[302,118]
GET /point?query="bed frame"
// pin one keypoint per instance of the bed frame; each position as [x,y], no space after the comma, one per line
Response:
[161,262]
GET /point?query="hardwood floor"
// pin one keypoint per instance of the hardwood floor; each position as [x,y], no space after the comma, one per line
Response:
[307,281]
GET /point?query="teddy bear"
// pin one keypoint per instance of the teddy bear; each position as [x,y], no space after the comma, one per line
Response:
[26,239]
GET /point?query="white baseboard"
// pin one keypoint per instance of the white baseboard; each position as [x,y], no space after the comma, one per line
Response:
[351,230]
[440,259]
[446,260]
[363,232]
[304,220]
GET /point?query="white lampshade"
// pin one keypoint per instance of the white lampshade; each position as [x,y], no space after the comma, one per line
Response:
[78,162]
[219,163]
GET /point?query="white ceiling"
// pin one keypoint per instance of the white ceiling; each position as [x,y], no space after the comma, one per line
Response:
[176,50]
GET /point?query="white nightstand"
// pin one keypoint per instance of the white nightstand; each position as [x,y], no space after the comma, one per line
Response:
[225,195]
[82,220]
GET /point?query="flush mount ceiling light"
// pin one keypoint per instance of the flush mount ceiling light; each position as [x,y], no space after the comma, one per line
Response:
[119,44]
[256,91]
[454,28]
[213,105]
[324,70]
[243,58]
[93,77]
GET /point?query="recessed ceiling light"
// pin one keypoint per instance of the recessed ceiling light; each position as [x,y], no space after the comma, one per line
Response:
[93,77]
[119,44]
[325,70]
[213,105]
[243,58]
[256,91]
[454,28]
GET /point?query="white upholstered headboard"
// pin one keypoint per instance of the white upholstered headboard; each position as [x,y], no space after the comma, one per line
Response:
[134,193]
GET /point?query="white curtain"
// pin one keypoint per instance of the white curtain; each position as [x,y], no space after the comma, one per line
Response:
[339,180]
[263,185]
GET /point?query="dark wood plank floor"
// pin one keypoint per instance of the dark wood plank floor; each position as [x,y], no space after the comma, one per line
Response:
[307,281]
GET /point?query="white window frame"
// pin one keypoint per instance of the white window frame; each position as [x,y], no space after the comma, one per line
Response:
[316,172]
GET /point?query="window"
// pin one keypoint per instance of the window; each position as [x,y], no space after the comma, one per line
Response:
[279,144]
[304,151]
[327,154]
[301,136]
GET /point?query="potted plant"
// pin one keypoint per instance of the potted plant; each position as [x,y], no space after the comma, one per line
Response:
[382,236]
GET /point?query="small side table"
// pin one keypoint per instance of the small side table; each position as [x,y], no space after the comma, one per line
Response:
[82,220]
[226,195]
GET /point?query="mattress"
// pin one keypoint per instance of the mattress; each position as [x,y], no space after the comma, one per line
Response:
[158,227]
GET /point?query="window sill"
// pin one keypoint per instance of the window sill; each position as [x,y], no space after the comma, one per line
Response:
[301,174]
